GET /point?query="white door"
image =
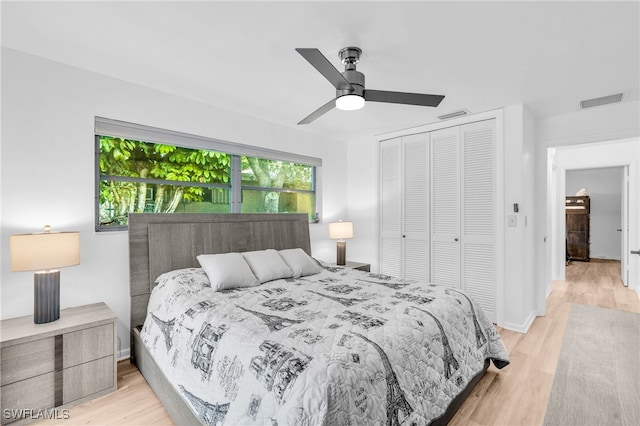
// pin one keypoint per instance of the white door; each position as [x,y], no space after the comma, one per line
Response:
[478,224]
[633,225]
[415,207]
[624,254]
[445,207]
[391,207]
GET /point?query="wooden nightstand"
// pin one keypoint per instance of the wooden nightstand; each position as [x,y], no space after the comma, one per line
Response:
[366,267]
[45,368]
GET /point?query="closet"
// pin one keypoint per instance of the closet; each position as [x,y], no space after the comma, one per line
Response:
[438,209]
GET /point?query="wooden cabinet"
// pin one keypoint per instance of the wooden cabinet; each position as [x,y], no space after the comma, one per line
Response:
[44,367]
[577,212]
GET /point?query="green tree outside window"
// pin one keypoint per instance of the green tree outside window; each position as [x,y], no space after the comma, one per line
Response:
[137,176]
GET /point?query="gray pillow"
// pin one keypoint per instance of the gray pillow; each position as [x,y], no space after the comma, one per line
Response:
[267,265]
[300,262]
[227,271]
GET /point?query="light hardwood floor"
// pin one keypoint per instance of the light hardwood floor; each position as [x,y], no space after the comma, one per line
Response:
[515,395]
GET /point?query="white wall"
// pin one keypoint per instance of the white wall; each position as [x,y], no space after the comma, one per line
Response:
[518,188]
[47,170]
[605,190]
[363,195]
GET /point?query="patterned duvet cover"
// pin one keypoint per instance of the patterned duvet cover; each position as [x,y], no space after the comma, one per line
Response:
[342,347]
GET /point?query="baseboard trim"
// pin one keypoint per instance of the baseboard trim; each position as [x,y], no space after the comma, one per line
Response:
[124,354]
[521,328]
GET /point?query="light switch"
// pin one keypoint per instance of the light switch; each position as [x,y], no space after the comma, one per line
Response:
[512,220]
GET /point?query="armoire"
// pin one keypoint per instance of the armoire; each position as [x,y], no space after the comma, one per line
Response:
[440,206]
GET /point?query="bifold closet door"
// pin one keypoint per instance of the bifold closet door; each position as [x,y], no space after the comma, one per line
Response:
[404,213]
[391,207]
[415,207]
[463,209]
[445,207]
[478,224]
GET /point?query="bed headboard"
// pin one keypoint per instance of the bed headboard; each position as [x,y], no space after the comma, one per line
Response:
[160,243]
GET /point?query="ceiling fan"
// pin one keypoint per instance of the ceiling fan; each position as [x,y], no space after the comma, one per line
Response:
[350,91]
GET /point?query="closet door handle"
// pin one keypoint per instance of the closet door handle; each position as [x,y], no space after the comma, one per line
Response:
[455,239]
[635,252]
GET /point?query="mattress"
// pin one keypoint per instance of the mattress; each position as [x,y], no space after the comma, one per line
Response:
[339,347]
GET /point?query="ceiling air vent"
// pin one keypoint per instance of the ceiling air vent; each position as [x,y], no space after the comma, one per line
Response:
[611,99]
[454,114]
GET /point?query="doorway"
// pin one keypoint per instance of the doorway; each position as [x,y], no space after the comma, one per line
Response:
[602,239]
[603,242]
[623,154]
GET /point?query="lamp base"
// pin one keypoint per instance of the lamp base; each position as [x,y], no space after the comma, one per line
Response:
[341,253]
[46,296]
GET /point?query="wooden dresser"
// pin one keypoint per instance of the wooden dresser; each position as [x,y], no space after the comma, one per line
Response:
[45,368]
[578,210]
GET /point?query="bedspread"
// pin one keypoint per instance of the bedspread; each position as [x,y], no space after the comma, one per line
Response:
[340,347]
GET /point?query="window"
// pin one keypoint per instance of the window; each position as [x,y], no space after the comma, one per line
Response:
[135,175]
[276,186]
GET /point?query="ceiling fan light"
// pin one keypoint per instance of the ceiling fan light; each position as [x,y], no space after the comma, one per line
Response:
[349,102]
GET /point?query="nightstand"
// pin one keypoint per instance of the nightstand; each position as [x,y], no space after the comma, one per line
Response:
[52,366]
[366,267]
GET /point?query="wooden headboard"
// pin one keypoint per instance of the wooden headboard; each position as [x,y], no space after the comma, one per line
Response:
[160,243]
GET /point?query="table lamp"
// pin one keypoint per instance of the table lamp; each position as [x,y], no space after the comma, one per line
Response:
[340,231]
[42,253]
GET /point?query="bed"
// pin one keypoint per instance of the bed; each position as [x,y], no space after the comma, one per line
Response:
[336,346]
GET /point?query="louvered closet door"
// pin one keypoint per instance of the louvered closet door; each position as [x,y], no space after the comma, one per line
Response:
[391,207]
[478,214]
[415,207]
[445,207]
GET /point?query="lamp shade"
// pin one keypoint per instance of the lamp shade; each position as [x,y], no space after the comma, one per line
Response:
[340,230]
[47,250]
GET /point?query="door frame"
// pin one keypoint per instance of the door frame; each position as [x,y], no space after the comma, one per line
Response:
[615,153]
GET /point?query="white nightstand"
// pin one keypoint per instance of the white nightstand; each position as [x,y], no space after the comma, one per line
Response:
[52,366]
[366,267]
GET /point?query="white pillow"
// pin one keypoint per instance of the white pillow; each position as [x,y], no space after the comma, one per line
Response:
[300,262]
[267,265]
[227,271]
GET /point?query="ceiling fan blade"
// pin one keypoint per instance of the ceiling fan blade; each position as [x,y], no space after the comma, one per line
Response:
[403,98]
[324,67]
[319,112]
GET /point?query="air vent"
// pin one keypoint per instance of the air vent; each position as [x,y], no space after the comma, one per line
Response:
[454,114]
[611,99]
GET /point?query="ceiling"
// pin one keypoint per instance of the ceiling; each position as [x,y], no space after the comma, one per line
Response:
[240,55]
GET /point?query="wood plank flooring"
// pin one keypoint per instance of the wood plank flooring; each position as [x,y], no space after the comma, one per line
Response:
[516,395]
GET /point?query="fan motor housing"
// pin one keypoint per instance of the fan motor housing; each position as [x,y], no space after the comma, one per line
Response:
[356,79]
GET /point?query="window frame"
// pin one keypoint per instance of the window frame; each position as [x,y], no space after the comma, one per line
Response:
[148,134]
